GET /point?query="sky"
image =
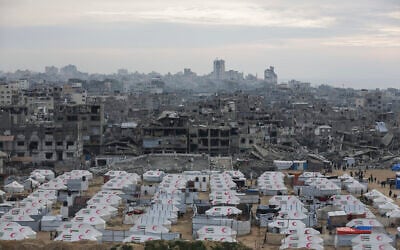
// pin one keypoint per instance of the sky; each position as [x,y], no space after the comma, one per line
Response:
[338,42]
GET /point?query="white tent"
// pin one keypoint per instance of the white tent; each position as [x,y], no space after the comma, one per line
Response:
[27,231]
[307,231]
[38,177]
[217,238]
[138,238]
[23,210]
[291,215]
[94,221]
[48,174]
[302,237]
[66,226]
[281,165]
[301,244]
[14,187]
[145,220]
[14,231]
[153,176]
[393,214]
[381,200]
[371,238]
[108,199]
[356,188]
[171,216]
[364,222]
[53,185]
[216,231]
[387,207]
[373,194]
[284,225]
[73,236]
[223,211]
[31,184]
[111,210]
[79,173]
[104,214]
[17,217]
[377,246]
[149,229]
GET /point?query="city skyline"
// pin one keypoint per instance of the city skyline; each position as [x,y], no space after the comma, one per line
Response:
[353,44]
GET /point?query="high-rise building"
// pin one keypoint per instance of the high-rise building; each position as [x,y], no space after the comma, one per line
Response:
[219,69]
[270,76]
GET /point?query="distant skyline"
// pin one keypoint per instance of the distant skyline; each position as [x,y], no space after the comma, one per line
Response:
[351,43]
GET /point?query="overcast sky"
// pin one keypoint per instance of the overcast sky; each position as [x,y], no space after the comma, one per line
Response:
[355,43]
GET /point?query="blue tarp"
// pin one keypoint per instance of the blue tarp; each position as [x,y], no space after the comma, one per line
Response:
[396,167]
[363,227]
[397,183]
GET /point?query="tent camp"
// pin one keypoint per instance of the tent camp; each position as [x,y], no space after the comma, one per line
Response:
[14,187]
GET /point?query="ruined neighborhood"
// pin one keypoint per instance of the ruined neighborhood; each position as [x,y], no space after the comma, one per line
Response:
[221,157]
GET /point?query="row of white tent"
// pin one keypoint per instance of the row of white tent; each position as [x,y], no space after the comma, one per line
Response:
[14,231]
[39,202]
[159,217]
[88,222]
[292,215]
[385,205]
[222,189]
[61,181]
[271,183]
[36,178]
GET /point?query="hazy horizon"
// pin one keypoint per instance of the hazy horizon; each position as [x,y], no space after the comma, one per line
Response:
[355,44]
